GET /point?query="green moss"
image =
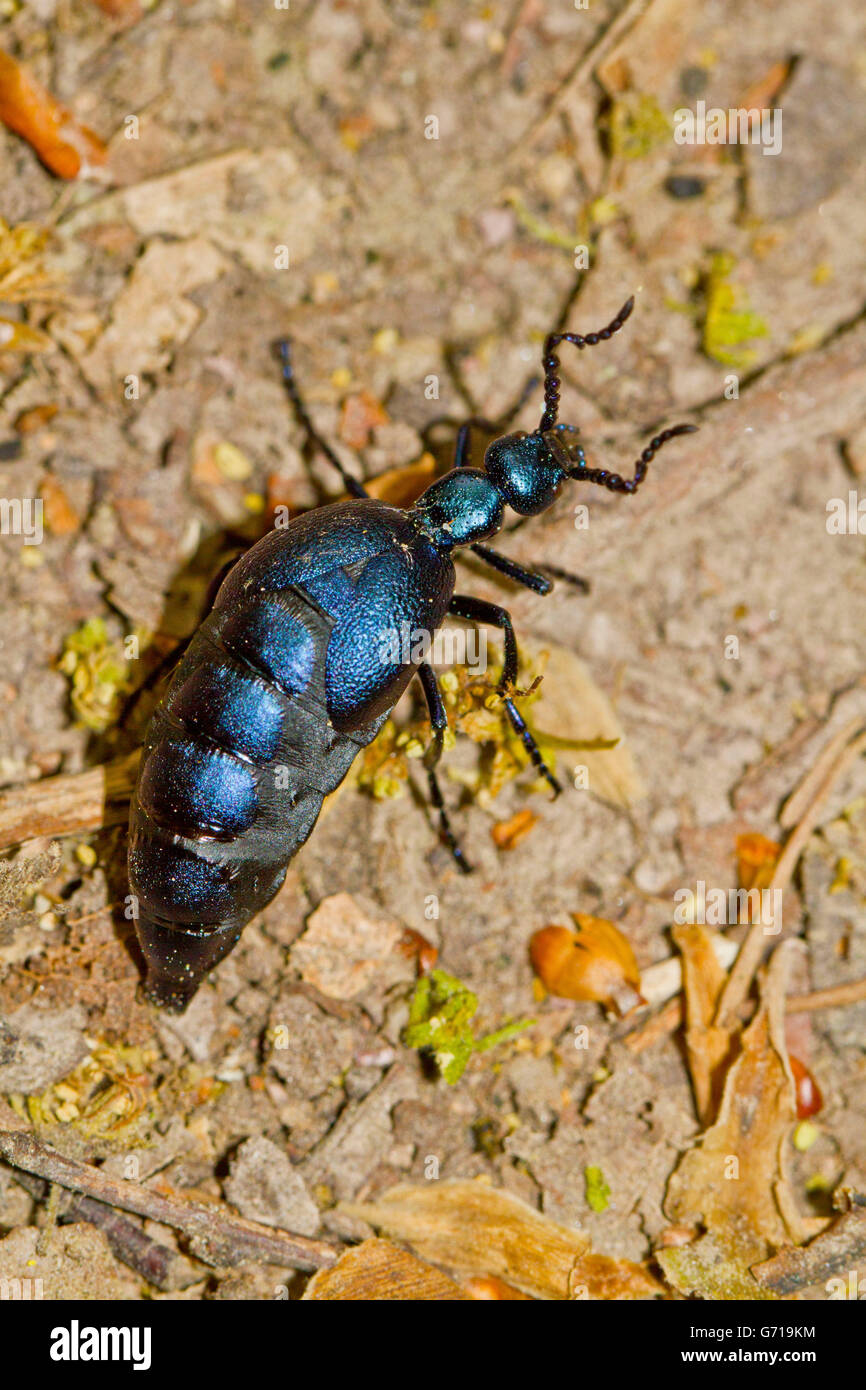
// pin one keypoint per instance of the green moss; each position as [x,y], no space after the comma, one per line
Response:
[637,126]
[729,322]
[440,1021]
[597,1190]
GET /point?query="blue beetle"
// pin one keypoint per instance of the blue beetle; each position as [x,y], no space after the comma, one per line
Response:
[285,681]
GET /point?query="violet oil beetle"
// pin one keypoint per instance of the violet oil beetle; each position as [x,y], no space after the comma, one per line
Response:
[284,683]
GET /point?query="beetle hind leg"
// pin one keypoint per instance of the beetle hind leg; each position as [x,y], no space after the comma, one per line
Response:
[439,721]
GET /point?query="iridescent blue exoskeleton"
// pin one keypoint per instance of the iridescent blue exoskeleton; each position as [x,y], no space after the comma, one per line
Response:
[285,682]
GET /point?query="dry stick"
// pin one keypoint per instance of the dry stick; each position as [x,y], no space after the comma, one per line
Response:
[161,1266]
[628,16]
[668,1019]
[797,803]
[70,804]
[833,998]
[752,949]
[216,1237]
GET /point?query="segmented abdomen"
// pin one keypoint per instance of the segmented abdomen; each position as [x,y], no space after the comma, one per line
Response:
[238,758]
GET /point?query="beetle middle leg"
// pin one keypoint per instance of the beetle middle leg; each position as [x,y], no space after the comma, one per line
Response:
[439,721]
[478,611]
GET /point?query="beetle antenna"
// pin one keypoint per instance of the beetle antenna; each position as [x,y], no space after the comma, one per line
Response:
[615,482]
[550,361]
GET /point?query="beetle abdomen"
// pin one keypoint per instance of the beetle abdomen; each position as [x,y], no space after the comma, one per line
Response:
[238,758]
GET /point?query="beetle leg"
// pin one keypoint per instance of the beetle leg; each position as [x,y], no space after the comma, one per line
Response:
[529,578]
[478,611]
[461,448]
[439,721]
[352,485]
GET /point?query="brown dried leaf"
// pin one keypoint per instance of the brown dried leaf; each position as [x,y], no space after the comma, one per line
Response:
[600,1278]
[756,859]
[64,146]
[571,708]
[16,336]
[348,945]
[403,486]
[378,1270]
[708,1046]
[490,1290]
[360,415]
[61,518]
[728,1183]
[479,1230]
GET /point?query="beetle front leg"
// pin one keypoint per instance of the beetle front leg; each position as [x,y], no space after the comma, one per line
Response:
[478,611]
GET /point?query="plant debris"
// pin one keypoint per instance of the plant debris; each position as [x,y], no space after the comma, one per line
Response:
[440,1021]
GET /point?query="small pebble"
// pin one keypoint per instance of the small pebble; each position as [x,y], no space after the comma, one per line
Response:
[684,186]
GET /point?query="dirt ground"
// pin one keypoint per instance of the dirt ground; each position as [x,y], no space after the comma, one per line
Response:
[418,193]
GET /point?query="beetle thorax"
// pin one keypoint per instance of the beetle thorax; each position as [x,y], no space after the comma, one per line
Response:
[463,507]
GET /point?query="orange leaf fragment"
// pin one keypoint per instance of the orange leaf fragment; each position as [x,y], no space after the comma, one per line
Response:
[66,147]
[360,416]
[61,517]
[508,833]
[490,1289]
[35,417]
[417,947]
[756,859]
[595,962]
[403,486]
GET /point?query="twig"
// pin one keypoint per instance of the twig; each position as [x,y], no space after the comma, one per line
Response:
[833,998]
[797,803]
[70,804]
[161,1266]
[833,1254]
[216,1236]
[628,16]
[668,1019]
[752,949]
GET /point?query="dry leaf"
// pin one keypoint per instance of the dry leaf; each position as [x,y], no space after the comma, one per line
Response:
[35,417]
[602,1279]
[572,710]
[490,1290]
[152,314]
[360,415]
[416,947]
[64,146]
[378,1270]
[508,833]
[479,1230]
[756,859]
[727,1184]
[760,94]
[403,486]
[61,518]
[595,962]
[16,336]
[349,944]
[708,1046]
